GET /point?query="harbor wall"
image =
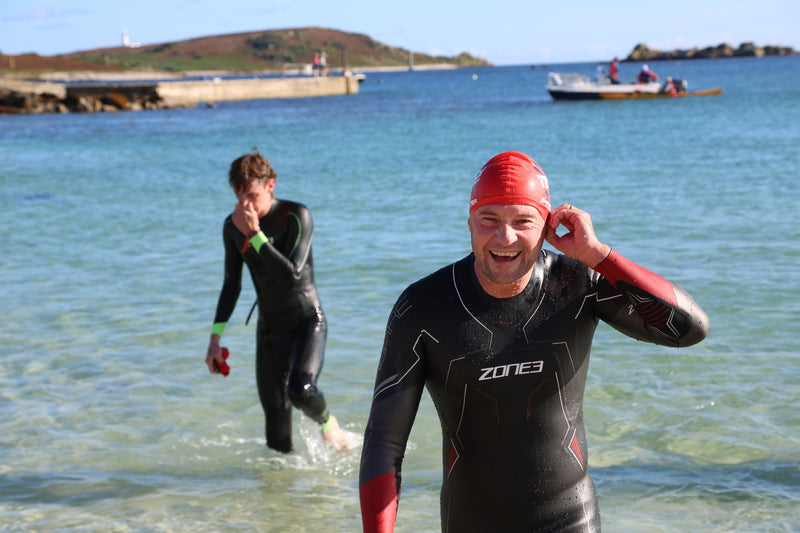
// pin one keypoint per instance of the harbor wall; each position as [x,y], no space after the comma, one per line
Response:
[33,87]
[24,96]
[219,90]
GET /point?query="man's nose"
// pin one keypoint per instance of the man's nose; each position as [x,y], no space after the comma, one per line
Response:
[505,234]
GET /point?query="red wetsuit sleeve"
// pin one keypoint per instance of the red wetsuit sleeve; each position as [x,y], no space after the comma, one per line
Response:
[399,383]
[616,268]
[379,504]
[673,316]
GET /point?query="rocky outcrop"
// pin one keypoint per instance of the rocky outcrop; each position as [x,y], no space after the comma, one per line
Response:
[644,53]
[17,99]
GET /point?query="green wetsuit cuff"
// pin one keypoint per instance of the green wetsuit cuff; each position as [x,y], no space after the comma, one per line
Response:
[326,426]
[258,240]
[218,328]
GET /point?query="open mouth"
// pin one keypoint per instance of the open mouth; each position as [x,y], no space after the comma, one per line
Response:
[504,257]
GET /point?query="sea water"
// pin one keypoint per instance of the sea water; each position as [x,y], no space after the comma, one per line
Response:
[111,264]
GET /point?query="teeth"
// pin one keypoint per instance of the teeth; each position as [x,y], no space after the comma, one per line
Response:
[506,254]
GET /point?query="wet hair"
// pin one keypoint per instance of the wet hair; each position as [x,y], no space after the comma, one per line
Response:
[249,168]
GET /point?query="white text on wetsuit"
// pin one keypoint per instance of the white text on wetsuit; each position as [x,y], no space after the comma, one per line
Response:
[512,369]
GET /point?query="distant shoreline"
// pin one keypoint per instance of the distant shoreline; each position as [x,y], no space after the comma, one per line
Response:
[640,53]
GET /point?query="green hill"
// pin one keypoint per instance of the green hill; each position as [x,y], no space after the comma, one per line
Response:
[268,50]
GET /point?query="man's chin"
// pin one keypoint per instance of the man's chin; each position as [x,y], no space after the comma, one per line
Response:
[504,276]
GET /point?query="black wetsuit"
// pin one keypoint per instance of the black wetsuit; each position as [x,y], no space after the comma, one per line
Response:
[292,330]
[507,378]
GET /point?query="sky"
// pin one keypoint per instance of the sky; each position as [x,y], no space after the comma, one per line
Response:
[505,32]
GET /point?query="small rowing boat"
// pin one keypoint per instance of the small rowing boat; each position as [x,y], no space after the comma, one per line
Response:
[575,86]
[679,94]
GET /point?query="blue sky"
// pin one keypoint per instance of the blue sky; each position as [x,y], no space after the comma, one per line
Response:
[506,32]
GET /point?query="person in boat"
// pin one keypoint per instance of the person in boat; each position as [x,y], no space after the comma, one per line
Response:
[273,238]
[669,87]
[501,339]
[613,71]
[646,75]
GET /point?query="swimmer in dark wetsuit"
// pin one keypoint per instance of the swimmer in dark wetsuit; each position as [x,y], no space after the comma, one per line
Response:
[501,340]
[273,237]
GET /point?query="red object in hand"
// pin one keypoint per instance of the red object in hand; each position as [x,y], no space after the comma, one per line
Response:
[223,368]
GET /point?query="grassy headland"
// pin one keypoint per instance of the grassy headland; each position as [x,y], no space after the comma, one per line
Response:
[257,51]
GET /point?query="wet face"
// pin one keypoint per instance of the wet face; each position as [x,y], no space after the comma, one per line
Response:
[259,196]
[506,240]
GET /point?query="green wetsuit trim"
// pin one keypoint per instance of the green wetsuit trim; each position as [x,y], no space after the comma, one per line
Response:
[299,233]
[218,328]
[258,240]
[296,241]
[326,426]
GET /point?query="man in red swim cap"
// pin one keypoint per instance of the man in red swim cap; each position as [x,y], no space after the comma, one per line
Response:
[501,339]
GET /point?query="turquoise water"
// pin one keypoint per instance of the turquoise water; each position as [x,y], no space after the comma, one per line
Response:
[111,263]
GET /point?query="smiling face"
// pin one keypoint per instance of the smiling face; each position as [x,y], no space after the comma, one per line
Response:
[506,240]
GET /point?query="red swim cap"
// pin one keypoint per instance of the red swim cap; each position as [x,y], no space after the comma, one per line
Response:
[511,178]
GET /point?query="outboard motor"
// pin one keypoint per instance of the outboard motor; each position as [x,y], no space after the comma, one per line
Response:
[681,85]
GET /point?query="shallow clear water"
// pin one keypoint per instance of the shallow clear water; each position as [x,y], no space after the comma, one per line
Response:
[111,263]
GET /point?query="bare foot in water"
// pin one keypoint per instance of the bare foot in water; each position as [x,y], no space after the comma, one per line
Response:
[336,437]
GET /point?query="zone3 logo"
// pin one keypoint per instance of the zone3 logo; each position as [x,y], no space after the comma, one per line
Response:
[513,369]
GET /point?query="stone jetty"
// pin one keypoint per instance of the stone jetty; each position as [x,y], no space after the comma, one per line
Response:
[23,96]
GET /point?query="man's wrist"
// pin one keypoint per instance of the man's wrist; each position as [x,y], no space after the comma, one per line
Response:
[258,240]
[248,239]
[599,256]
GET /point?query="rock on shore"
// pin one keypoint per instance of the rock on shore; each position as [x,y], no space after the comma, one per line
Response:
[33,100]
[644,53]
